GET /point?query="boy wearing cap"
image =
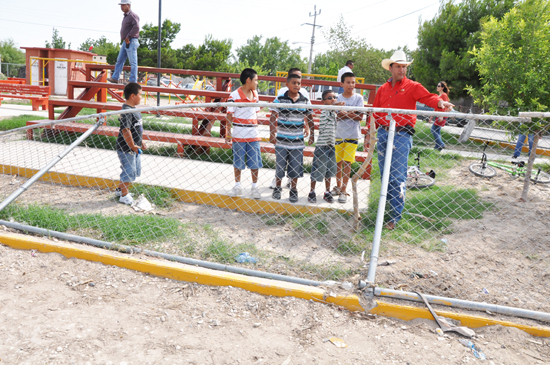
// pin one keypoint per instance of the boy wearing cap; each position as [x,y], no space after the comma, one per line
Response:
[129,33]
[399,93]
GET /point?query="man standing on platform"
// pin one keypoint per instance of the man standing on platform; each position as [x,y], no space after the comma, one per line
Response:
[399,93]
[129,33]
[347,68]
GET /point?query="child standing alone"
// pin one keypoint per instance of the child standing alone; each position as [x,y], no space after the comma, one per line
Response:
[129,142]
[245,139]
[324,158]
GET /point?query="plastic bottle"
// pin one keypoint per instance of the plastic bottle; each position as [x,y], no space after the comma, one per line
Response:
[245,257]
[477,352]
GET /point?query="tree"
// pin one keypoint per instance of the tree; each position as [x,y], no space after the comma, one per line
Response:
[343,47]
[212,55]
[9,53]
[148,36]
[273,54]
[512,61]
[101,46]
[445,41]
[57,41]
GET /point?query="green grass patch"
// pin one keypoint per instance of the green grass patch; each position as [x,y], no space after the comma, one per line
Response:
[7,124]
[160,196]
[41,216]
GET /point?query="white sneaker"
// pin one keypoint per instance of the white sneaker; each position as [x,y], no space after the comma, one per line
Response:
[255,193]
[118,193]
[127,199]
[237,190]
[273,184]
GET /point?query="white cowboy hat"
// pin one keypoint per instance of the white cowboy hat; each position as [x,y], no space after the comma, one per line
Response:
[398,57]
[125,2]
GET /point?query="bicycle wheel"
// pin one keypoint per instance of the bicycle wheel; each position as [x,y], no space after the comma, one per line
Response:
[542,178]
[419,182]
[483,171]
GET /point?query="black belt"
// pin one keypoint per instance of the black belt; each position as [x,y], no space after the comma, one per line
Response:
[409,129]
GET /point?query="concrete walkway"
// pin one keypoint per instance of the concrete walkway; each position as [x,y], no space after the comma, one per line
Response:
[209,182]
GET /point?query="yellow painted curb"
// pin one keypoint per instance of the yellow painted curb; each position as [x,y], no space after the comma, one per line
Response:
[540,151]
[180,271]
[204,276]
[241,204]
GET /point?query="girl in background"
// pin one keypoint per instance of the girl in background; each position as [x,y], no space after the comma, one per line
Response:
[443,90]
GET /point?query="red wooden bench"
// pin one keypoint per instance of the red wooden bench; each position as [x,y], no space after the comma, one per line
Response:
[38,95]
[181,140]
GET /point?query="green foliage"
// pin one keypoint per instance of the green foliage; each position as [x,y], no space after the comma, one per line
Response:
[57,41]
[444,43]
[10,54]
[512,61]
[160,196]
[273,54]
[102,47]
[37,216]
[212,55]
[148,36]
[344,47]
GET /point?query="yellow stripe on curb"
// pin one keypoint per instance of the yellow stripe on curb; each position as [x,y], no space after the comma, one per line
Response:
[277,288]
[540,151]
[241,204]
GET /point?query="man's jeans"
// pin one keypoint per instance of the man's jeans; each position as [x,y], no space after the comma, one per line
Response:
[519,144]
[436,132]
[131,54]
[402,144]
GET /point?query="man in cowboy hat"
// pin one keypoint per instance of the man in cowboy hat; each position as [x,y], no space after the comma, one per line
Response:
[129,33]
[399,93]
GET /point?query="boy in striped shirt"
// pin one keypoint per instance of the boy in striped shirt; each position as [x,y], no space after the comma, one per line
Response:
[287,132]
[245,137]
[324,157]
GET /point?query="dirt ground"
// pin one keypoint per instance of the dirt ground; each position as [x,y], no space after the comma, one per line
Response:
[55,310]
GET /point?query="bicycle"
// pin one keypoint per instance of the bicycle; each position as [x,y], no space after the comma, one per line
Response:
[486,169]
[416,179]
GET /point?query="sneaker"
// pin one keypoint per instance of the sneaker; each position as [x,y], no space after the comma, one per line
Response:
[273,184]
[118,193]
[277,193]
[328,197]
[255,193]
[343,198]
[112,81]
[237,190]
[336,191]
[288,184]
[312,198]
[126,199]
[293,196]
[514,157]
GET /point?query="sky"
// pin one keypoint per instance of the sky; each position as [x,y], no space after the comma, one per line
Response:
[385,24]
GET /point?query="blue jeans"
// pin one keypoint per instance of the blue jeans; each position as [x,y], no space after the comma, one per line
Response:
[436,132]
[521,140]
[247,154]
[131,54]
[402,143]
[130,163]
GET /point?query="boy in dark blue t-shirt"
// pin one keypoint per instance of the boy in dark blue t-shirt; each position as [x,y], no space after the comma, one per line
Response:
[130,142]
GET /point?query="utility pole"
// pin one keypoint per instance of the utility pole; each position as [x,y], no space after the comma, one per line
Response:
[158,52]
[314,25]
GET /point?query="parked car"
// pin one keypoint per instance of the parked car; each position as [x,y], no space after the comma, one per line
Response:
[316,92]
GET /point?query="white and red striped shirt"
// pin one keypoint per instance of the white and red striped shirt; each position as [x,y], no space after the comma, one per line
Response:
[245,122]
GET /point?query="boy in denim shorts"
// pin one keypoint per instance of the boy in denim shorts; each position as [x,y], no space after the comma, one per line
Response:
[287,132]
[129,142]
[324,157]
[245,138]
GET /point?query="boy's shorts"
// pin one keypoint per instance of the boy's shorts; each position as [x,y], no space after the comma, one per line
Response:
[130,163]
[291,161]
[345,149]
[249,151]
[324,163]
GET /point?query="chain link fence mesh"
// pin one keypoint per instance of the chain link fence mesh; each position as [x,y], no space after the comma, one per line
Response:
[461,235]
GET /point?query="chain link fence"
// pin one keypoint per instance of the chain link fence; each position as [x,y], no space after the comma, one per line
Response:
[460,235]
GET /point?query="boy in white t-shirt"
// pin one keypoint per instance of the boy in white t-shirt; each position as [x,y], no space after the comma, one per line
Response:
[245,137]
[348,131]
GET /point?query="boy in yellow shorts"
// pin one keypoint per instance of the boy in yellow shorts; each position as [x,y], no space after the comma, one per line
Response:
[348,131]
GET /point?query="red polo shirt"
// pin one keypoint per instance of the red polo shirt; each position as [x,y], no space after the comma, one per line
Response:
[403,95]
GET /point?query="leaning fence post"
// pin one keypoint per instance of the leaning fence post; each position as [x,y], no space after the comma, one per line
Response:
[52,163]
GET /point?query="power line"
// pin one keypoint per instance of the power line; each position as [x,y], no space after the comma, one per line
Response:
[59,26]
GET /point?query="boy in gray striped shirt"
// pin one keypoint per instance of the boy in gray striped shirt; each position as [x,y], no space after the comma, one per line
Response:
[324,157]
